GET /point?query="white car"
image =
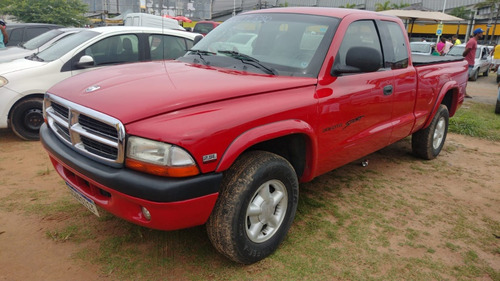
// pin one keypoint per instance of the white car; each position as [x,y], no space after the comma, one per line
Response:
[482,61]
[23,82]
[421,48]
[36,45]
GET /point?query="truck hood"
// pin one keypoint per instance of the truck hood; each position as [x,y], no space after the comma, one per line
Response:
[141,90]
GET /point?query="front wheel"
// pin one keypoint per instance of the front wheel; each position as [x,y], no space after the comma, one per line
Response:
[255,208]
[27,118]
[427,143]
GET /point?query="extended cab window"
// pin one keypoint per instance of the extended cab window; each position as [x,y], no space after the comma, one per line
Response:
[359,34]
[395,49]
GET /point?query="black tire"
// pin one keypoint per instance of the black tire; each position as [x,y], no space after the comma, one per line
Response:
[255,208]
[498,78]
[497,108]
[485,73]
[427,143]
[27,118]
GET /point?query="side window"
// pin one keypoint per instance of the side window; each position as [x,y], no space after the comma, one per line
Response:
[396,51]
[115,50]
[359,34]
[34,32]
[16,36]
[166,47]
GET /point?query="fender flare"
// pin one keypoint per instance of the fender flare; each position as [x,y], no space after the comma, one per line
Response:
[268,132]
[450,85]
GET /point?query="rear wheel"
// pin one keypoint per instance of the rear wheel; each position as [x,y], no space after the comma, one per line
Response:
[486,72]
[427,143]
[497,108]
[255,208]
[27,118]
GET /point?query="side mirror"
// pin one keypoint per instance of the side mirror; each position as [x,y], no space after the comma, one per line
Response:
[197,39]
[85,62]
[359,59]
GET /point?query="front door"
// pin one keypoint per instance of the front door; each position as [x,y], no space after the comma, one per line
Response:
[356,111]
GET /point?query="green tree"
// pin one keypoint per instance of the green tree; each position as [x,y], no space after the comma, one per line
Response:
[383,6]
[349,6]
[400,5]
[64,12]
[461,12]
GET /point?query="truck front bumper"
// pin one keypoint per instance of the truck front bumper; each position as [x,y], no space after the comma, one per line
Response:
[172,203]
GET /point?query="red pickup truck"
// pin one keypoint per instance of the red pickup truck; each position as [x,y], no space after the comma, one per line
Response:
[224,135]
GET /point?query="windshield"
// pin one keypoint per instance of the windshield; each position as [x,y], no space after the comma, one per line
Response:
[41,39]
[420,48]
[65,45]
[203,28]
[456,51]
[268,43]
[459,50]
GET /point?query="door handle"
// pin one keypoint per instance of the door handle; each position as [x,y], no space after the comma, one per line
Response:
[388,90]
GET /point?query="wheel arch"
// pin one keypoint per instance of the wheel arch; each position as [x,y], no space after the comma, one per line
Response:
[292,139]
[34,95]
[449,96]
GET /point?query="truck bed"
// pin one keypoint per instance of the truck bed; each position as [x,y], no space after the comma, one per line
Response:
[419,60]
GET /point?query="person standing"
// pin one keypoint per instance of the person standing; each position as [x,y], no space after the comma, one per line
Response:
[470,50]
[4,37]
[455,40]
[440,46]
[496,57]
[447,46]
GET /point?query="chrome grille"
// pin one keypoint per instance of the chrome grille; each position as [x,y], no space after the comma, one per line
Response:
[96,135]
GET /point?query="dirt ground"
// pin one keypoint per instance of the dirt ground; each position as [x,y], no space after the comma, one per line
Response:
[27,254]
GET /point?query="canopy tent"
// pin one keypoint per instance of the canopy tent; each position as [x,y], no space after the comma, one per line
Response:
[421,15]
[414,15]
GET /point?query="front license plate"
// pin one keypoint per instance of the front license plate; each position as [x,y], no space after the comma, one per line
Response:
[87,202]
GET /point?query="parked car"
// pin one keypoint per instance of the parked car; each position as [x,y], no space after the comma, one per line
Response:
[22,32]
[204,27]
[421,48]
[482,62]
[35,45]
[23,82]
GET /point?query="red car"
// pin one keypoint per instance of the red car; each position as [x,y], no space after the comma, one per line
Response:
[224,135]
[204,27]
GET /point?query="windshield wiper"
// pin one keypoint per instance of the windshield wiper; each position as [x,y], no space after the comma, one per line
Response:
[248,60]
[202,53]
[34,57]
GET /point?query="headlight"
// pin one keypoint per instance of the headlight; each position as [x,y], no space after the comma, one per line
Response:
[159,158]
[3,81]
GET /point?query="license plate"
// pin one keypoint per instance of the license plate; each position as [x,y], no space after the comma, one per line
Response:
[87,202]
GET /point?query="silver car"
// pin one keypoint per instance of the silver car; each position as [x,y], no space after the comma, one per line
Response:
[482,61]
[35,45]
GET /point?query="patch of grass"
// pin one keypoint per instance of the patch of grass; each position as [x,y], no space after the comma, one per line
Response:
[62,235]
[44,172]
[477,120]
[452,246]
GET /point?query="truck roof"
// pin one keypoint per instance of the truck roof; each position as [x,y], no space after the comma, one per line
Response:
[332,12]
